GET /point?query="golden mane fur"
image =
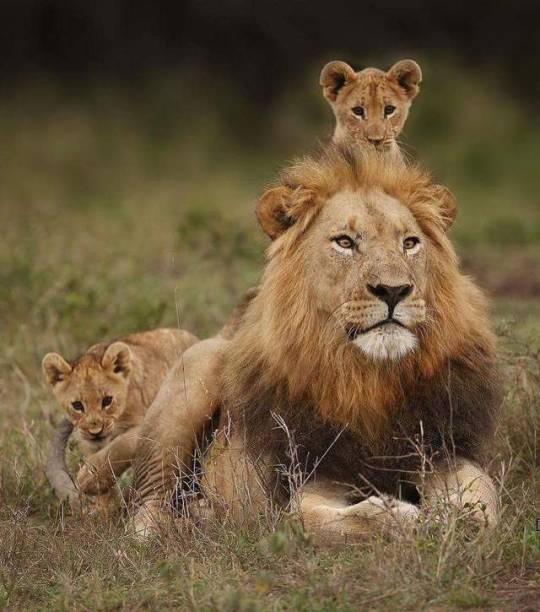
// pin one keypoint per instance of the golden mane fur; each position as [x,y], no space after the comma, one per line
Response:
[284,342]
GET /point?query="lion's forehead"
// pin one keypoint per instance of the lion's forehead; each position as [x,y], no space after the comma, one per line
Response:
[373,87]
[372,211]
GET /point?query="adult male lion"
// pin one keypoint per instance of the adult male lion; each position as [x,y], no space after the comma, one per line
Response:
[364,365]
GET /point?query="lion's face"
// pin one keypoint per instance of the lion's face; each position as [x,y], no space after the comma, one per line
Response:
[370,106]
[365,261]
[92,393]
[359,251]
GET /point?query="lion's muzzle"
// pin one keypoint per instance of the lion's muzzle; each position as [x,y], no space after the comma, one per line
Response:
[383,326]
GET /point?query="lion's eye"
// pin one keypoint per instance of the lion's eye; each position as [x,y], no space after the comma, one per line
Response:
[389,110]
[344,242]
[78,406]
[410,242]
[359,111]
[106,401]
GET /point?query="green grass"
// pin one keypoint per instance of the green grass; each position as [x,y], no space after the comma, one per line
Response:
[127,209]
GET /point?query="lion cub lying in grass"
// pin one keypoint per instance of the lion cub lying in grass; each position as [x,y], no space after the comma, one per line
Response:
[105,394]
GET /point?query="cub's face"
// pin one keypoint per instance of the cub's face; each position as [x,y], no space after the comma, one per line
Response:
[370,106]
[365,258]
[92,393]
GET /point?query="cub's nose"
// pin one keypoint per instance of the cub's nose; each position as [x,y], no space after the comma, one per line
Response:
[96,431]
[390,294]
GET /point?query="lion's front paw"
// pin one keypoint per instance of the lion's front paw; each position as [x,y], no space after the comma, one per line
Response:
[93,479]
[147,521]
[386,510]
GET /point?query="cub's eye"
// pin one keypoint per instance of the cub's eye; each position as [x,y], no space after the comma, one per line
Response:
[389,110]
[359,111]
[106,401]
[78,406]
[410,242]
[344,242]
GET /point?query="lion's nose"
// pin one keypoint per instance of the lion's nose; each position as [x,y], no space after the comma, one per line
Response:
[390,294]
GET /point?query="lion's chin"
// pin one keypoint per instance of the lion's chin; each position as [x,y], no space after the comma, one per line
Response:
[390,342]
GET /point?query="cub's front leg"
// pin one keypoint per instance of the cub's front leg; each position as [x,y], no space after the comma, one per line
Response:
[101,469]
[463,485]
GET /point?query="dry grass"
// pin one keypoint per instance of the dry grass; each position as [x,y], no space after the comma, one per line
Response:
[121,217]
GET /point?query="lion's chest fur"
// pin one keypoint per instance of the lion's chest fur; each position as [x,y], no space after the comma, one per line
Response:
[448,415]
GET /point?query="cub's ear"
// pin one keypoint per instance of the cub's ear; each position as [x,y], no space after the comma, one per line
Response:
[117,359]
[55,368]
[334,76]
[280,207]
[407,74]
[448,206]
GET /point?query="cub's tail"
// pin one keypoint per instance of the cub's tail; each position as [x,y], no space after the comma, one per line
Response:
[56,468]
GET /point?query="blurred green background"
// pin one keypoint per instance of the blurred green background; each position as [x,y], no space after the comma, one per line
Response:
[135,141]
[126,207]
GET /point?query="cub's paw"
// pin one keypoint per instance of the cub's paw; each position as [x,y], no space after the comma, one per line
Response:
[94,480]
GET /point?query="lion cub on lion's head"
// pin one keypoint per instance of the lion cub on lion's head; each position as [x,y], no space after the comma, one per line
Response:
[370,106]
[105,394]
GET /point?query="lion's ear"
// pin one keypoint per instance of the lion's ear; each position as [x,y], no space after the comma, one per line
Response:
[334,76]
[117,359]
[55,368]
[280,207]
[273,211]
[407,74]
[448,206]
